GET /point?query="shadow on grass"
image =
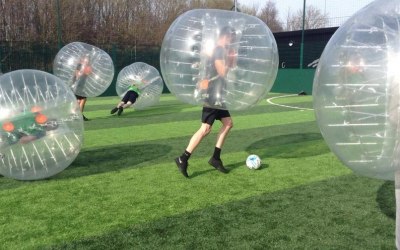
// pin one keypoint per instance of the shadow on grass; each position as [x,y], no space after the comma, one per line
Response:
[100,160]
[289,146]
[195,174]
[8,183]
[321,215]
[386,199]
[230,167]
[157,110]
[130,117]
[113,158]
[150,111]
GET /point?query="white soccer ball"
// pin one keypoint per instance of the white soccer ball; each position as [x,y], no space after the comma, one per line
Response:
[253,162]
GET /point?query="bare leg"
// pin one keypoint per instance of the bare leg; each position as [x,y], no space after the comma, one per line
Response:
[227,124]
[120,104]
[126,105]
[82,103]
[182,161]
[203,131]
[27,138]
[215,160]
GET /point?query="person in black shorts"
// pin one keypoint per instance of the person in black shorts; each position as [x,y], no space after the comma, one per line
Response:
[81,103]
[129,98]
[220,64]
[83,69]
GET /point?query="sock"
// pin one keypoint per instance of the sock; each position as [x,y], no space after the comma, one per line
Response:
[185,156]
[217,153]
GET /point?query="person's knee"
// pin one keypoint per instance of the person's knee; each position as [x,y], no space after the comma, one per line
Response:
[205,130]
[228,124]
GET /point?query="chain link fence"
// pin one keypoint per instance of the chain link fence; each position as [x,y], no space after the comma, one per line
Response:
[298,49]
[27,55]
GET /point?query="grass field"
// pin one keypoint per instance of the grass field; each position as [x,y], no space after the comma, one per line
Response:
[124,191]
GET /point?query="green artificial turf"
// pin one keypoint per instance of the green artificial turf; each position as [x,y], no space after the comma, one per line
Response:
[124,191]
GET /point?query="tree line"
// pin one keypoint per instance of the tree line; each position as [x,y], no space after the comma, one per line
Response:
[133,22]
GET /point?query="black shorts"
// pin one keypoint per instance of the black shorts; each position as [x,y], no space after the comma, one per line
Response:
[130,96]
[80,97]
[209,115]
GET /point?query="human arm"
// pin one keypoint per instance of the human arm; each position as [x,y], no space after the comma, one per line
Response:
[220,62]
[231,59]
[221,68]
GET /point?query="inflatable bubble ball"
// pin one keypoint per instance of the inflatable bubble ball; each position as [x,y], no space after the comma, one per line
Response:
[356,91]
[87,69]
[41,127]
[146,78]
[220,59]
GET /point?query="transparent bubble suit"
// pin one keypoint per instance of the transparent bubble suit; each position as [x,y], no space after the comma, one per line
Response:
[87,69]
[41,129]
[356,91]
[185,58]
[148,80]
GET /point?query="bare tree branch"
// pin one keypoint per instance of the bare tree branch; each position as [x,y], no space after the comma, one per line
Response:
[314,19]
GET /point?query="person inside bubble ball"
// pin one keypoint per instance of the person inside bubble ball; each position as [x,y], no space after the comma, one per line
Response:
[26,126]
[130,97]
[223,58]
[221,61]
[355,65]
[83,69]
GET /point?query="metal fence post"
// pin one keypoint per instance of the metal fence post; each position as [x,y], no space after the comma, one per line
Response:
[302,35]
[59,34]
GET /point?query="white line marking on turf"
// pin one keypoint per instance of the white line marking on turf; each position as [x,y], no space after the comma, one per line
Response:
[269,100]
